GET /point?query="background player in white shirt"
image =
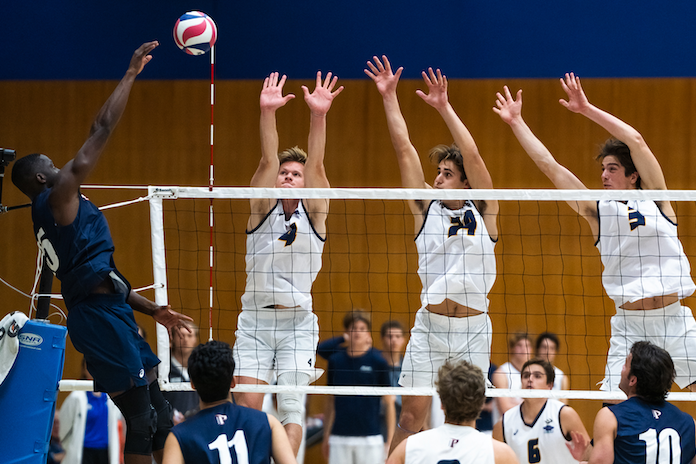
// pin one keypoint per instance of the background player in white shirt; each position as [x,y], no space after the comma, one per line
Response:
[277,325]
[645,270]
[455,240]
[509,375]
[462,390]
[539,429]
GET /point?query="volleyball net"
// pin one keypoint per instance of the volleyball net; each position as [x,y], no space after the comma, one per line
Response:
[548,270]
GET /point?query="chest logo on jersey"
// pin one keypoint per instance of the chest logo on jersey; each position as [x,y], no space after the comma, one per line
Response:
[220,419]
[548,428]
[656,414]
[365,368]
[290,235]
[635,219]
[468,222]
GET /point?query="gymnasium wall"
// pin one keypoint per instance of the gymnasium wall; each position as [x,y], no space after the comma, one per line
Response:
[163,139]
[62,61]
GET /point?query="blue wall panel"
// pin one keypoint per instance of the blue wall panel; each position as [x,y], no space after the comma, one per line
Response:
[467,39]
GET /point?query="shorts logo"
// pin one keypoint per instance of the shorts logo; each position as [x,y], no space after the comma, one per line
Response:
[220,419]
[141,374]
[28,339]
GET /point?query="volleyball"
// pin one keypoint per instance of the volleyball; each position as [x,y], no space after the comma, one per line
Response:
[195,32]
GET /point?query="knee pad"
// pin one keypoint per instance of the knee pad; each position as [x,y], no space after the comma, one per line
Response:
[141,420]
[164,416]
[290,405]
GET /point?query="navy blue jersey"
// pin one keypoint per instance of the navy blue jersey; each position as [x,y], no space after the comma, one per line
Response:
[80,254]
[225,433]
[357,416]
[650,433]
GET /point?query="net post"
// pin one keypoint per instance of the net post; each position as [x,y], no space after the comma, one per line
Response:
[159,273]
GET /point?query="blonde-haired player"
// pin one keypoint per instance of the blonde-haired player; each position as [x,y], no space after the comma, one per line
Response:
[277,332]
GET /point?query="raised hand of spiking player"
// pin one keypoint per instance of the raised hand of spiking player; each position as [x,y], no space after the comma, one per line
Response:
[319,101]
[170,318]
[272,93]
[381,73]
[142,56]
[508,108]
[437,89]
[577,100]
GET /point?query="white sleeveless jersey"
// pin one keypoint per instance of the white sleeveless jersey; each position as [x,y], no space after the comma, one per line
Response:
[540,441]
[283,259]
[456,258]
[559,375]
[641,252]
[450,443]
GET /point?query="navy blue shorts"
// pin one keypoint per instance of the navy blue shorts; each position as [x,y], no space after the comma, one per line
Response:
[103,329]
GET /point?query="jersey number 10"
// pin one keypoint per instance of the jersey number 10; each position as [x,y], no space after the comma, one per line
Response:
[667,446]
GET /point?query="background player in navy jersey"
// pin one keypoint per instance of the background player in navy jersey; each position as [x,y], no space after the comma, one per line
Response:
[539,429]
[352,432]
[646,272]
[222,429]
[75,237]
[277,332]
[645,428]
[455,241]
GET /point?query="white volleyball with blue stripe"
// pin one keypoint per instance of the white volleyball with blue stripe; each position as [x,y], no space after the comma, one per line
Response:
[195,32]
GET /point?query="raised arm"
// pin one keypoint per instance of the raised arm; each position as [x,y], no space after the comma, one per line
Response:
[648,167]
[411,169]
[270,100]
[64,198]
[409,163]
[476,172]
[319,102]
[510,111]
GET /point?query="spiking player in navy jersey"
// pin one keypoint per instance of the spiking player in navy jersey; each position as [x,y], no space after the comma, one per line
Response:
[222,432]
[646,272]
[75,238]
[645,428]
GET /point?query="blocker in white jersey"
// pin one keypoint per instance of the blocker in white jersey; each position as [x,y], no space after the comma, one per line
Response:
[277,330]
[641,252]
[645,266]
[456,257]
[282,261]
[453,237]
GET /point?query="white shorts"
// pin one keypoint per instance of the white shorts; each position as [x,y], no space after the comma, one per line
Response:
[273,341]
[436,339]
[356,450]
[672,328]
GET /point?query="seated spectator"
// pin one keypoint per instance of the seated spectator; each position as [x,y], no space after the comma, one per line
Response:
[184,403]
